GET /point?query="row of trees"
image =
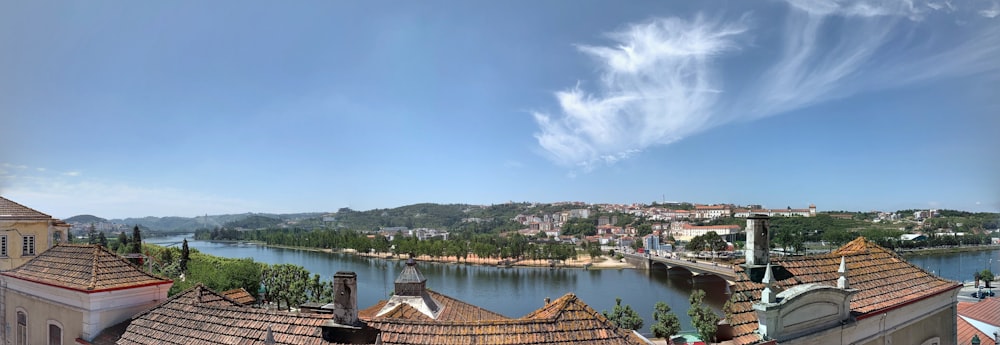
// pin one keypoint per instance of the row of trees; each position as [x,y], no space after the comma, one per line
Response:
[459,245]
[666,324]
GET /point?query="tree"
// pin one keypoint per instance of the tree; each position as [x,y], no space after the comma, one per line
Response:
[136,241]
[136,247]
[286,283]
[624,316]
[787,237]
[709,241]
[987,276]
[837,237]
[666,323]
[185,255]
[122,239]
[92,234]
[703,318]
[166,256]
[102,240]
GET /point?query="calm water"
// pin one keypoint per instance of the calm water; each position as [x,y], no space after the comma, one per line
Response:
[515,292]
[959,266]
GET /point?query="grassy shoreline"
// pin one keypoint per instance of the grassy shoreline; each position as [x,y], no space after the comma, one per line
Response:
[947,250]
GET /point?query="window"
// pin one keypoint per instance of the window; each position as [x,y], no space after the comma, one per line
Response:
[55,333]
[28,245]
[3,245]
[22,328]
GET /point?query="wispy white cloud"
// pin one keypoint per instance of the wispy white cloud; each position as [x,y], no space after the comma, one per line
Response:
[72,173]
[662,80]
[64,195]
[652,82]
[991,12]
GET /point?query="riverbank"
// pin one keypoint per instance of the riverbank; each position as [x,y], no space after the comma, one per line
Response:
[582,261]
[946,250]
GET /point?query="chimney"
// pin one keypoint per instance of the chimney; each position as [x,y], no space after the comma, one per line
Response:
[345,299]
[548,300]
[758,247]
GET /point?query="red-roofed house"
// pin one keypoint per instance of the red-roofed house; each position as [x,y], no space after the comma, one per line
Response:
[25,233]
[858,294]
[73,291]
[414,315]
[980,320]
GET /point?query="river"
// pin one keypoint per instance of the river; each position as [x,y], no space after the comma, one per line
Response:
[517,291]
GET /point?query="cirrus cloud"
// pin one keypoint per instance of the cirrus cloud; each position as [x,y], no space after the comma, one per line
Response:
[664,79]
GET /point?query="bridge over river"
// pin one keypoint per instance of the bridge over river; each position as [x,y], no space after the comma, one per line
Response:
[697,268]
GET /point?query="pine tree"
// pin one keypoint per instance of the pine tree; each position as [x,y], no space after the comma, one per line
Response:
[102,240]
[92,234]
[185,255]
[136,247]
[136,241]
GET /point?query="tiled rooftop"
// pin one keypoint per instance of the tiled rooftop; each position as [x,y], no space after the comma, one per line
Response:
[966,331]
[451,310]
[986,310]
[201,316]
[566,320]
[10,210]
[240,295]
[884,280]
[83,267]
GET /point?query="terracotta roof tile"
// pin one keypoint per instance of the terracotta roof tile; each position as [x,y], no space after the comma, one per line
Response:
[986,310]
[566,320]
[83,267]
[966,331]
[10,210]
[240,295]
[451,310]
[201,316]
[884,280]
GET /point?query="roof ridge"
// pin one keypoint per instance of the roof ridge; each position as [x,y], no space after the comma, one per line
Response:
[16,204]
[178,295]
[93,273]
[119,257]
[859,245]
[557,306]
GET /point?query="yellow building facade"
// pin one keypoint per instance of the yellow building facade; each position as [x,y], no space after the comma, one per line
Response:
[25,233]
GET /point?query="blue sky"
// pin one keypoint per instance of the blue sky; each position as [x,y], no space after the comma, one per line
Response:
[184,108]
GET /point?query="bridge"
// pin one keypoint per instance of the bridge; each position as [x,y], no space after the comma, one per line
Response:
[698,268]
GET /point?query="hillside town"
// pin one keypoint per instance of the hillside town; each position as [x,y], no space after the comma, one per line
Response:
[56,292]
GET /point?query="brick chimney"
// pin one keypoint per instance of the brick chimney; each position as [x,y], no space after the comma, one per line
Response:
[345,298]
[758,246]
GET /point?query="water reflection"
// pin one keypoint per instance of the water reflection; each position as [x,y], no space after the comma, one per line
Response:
[509,291]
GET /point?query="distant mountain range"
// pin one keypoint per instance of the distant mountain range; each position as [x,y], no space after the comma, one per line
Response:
[183,224]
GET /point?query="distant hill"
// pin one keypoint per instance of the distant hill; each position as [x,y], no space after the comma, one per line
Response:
[189,224]
[492,218]
[255,222]
[84,219]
